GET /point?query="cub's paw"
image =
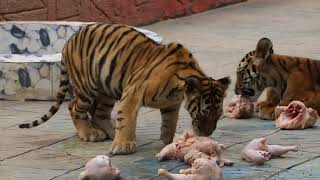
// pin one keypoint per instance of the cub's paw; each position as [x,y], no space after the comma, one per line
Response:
[126,147]
[92,135]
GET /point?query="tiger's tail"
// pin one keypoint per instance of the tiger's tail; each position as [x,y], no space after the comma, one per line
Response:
[63,88]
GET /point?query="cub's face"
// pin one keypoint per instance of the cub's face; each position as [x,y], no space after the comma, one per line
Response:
[254,72]
[204,100]
[249,82]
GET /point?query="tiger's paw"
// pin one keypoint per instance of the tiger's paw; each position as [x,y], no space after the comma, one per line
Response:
[92,135]
[127,147]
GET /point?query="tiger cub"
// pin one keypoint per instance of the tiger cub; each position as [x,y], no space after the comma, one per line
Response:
[272,79]
[108,63]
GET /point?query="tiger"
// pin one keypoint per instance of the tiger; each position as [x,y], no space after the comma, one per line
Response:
[271,80]
[109,63]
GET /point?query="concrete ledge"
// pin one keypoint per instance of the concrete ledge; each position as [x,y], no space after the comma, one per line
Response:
[30,57]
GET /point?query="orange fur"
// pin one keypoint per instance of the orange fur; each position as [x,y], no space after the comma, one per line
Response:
[108,63]
[284,78]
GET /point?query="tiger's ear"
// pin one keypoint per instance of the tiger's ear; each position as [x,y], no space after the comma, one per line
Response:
[192,84]
[225,82]
[264,49]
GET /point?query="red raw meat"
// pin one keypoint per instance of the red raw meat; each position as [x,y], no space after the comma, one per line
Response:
[239,107]
[295,116]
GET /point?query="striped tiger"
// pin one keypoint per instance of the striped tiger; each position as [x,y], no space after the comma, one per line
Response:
[110,62]
[271,79]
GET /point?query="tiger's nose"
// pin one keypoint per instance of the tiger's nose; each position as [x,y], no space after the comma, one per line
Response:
[248,92]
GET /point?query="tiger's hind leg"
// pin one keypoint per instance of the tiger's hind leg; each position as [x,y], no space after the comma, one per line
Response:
[311,99]
[101,114]
[169,117]
[79,108]
[125,136]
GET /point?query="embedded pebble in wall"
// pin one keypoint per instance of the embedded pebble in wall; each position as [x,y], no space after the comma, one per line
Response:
[33,46]
[14,49]
[11,73]
[17,32]
[35,65]
[41,52]
[44,71]
[62,32]
[74,28]
[6,26]
[49,50]
[53,26]
[24,78]
[43,84]
[33,34]
[58,45]
[34,74]
[2,85]
[70,32]
[11,87]
[55,71]
[53,36]
[44,37]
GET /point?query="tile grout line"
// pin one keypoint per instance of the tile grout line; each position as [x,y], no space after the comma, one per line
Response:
[226,148]
[292,166]
[251,139]
[110,156]
[16,155]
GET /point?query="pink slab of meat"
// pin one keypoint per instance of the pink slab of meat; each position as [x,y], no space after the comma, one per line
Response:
[239,107]
[295,116]
[258,152]
[100,168]
[202,169]
[189,147]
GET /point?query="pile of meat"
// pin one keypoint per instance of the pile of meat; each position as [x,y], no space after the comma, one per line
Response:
[189,147]
[239,107]
[295,116]
[201,169]
[100,168]
[258,152]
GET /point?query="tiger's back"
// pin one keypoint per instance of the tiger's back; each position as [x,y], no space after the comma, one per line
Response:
[101,57]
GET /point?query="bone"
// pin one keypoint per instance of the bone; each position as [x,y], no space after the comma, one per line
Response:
[295,116]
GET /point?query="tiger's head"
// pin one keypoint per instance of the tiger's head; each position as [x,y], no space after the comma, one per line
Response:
[253,70]
[204,100]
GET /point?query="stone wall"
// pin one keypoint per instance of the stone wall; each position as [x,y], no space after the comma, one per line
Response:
[132,12]
[30,54]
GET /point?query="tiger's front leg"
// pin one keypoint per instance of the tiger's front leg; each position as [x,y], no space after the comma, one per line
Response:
[265,110]
[267,104]
[169,117]
[129,105]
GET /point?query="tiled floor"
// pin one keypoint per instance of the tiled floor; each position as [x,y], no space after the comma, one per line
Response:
[218,38]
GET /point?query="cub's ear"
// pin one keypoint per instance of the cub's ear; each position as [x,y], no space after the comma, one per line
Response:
[192,84]
[264,49]
[225,82]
